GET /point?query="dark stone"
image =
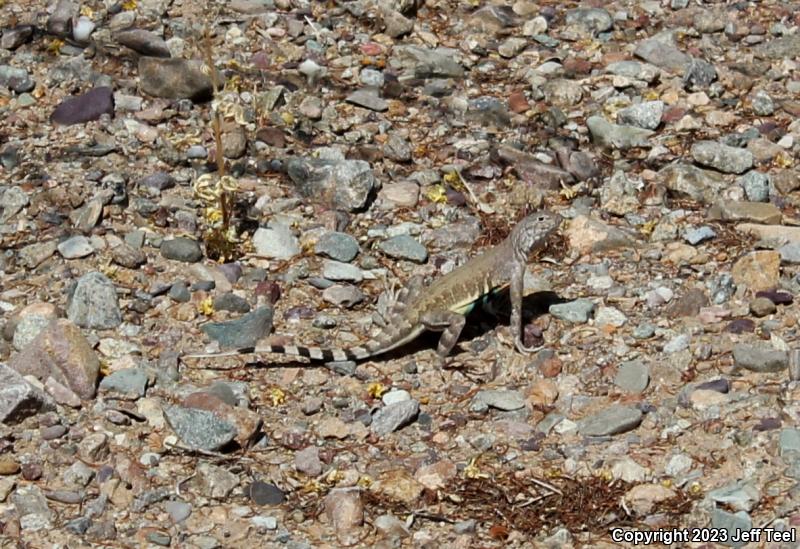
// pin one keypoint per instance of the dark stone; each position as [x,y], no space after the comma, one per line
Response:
[263,493]
[85,108]
[741,326]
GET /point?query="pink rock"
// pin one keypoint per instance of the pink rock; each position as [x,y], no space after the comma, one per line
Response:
[62,352]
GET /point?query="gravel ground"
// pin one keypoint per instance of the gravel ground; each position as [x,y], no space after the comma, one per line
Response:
[152,206]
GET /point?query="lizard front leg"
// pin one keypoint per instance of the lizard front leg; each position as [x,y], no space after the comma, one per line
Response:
[516,290]
[450,324]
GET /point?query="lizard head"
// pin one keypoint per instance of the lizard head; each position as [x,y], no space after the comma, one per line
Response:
[533,231]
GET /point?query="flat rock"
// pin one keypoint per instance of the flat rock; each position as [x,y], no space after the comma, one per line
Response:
[338,246]
[182,249]
[61,352]
[242,332]
[393,417]
[612,421]
[199,429]
[144,42]
[129,384]
[94,303]
[759,270]
[404,247]
[75,247]
[758,212]
[19,399]
[276,242]
[85,107]
[343,184]
[721,157]
[174,78]
[617,136]
[759,358]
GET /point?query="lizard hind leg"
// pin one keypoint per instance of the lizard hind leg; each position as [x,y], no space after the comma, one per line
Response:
[450,324]
[397,301]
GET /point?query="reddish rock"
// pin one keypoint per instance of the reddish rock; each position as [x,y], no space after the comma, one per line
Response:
[61,352]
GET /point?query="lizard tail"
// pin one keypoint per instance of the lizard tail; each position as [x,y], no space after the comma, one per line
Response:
[313,353]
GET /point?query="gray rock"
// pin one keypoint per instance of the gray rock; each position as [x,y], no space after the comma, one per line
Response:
[790,253]
[500,399]
[16,79]
[632,376]
[789,442]
[562,92]
[85,107]
[696,183]
[759,358]
[178,510]
[338,246]
[231,302]
[267,523]
[758,212]
[128,256]
[129,384]
[15,37]
[214,481]
[196,152]
[611,421]
[779,48]
[158,181]
[397,148]
[157,537]
[762,103]
[143,42]
[465,526]
[60,20]
[593,20]
[643,115]
[756,186]
[30,326]
[699,74]
[662,52]
[82,29]
[94,303]
[78,475]
[700,234]
[633,69]
[75,247]
[182,249]
[722,157]
[87,217]
[32,509]
[343,295]
[644,331]
[19,399]
[620,137]
[575,312]
[179,292]
[342,184]
[404,247]
[12,200]
[488,111]
[420,62]
[307,461]
[733,523]
[199,429]
[677,344]
[174,78]
[393,417]
[369,99]
[739,495]
[242,332]
[276,242]
[371,77]
[336,270]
